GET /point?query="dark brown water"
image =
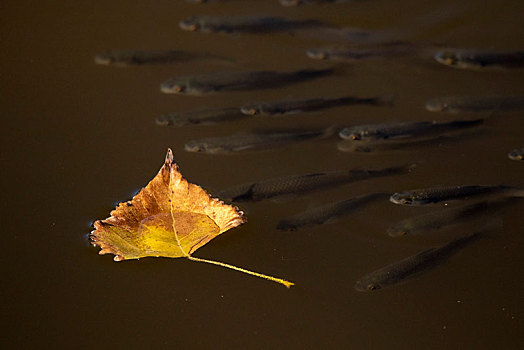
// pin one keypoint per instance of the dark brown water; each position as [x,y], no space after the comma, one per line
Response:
[77,138]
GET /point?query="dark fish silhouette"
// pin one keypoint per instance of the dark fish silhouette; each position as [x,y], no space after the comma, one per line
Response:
[228,81]
[203,116]
[311,104]
[478,59]
[299,184]
[443,194]
[457,104]
[423,261]
[321,214]
[405,129]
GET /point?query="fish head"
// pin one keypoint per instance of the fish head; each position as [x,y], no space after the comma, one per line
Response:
[402,198]
[252,109]
[105,58]
[173,86]
[516,155]
[436,105]
[163,120]
[317,54]
[195,146]
[397,230]
[191,24]
[350,134]
[291,2]
[449,58]
[366,285]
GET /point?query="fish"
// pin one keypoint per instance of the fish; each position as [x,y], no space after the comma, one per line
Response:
[479,104]
[202,117]
[124,58]
[312,104]
[230,81]
[444,194]
[255,141]
[304,183]
[479,59]
[398,271]
[321,214]
[446,217]
[245,24]
[370,146]
[352,54]
[304,2]
[404,129]
[516,154]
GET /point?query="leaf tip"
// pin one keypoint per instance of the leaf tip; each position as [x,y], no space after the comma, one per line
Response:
[169,157]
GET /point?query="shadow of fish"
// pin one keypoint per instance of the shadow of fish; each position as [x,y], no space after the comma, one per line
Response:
[321,214]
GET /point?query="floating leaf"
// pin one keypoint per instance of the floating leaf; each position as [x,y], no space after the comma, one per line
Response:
[170,217]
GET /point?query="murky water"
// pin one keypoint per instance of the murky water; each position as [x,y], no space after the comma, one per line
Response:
[77,138]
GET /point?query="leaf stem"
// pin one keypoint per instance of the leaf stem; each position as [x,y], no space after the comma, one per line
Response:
[274,279]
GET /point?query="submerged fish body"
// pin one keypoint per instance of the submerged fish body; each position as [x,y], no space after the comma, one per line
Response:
[244,24]
[312,104]
[152,57]
[255,141]
[516,154]
[405,129]
[385,145]
[304,2]
[446,217]
[442,194]
[299,184]
[399,271]
[321,214]
[228,81]
[203,116]
[352,54]
[477,59]
[457,104]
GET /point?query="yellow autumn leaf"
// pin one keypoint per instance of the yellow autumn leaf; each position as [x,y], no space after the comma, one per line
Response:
[170,217]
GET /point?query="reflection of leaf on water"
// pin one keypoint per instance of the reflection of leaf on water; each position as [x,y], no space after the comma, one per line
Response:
[170,217]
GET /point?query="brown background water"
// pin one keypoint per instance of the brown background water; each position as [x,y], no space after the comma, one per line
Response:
[78,138]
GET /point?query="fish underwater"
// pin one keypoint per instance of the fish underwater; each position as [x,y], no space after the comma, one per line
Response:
[327,212]
[300,184]
[399,271]
[479,104]
[230,81]
[480,60]
[448,216]
[444,194]
[124,58]
[516,154]
[404,129]
[245,24]
[201,117]
[255,141]
[312,104]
